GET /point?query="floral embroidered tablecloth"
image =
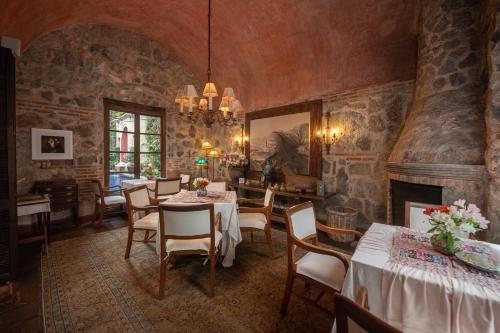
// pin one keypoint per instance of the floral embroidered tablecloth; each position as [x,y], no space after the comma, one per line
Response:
[413,249]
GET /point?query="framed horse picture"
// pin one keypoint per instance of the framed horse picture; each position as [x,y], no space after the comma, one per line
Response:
[285,138]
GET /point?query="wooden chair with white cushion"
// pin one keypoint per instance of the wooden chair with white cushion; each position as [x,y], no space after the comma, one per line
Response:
[185,181]
[186,230]
[254,219]
[414,216]
[142,215]
[216,186]
[165,188]
[354,316]
[320,267]
[106,198]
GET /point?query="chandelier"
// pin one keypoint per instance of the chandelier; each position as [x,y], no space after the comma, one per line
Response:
[203,108]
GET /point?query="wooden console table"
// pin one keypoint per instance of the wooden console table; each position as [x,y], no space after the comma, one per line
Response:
[299,196]
[35,204]
[63,195]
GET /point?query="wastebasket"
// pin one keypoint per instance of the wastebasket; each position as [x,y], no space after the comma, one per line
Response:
[341,218]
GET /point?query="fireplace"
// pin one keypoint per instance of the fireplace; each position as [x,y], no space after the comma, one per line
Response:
[403,191]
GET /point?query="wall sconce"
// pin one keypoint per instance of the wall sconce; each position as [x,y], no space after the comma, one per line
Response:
[329,135]
[241,140]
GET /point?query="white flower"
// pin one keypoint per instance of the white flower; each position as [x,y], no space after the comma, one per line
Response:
[467,228]
[460,203]
[473,208]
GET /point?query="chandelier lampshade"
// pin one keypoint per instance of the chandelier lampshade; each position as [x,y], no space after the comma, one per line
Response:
[236,106]
[203,104]
[191,93]
[210,91]
[228,94]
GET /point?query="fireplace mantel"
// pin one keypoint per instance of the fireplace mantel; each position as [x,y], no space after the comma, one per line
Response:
[438,171]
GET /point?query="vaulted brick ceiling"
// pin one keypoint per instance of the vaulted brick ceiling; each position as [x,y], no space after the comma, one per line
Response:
[272,52]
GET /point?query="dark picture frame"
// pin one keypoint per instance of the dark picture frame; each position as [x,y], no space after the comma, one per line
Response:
[315,110]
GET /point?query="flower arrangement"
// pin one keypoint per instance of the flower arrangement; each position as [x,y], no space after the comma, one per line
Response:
[200,183]
[450,222]
[233,161]
[149,171]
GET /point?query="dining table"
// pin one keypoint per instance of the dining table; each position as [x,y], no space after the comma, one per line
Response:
[225,203]
[416,289]
[131,183]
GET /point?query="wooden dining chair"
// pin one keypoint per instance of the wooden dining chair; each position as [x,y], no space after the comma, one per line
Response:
[106,198]
[165,188]
[186,230]
[320,267]
[254,219]
[185,181]
[217,186]
[142,215]
[414,216]
[354,316]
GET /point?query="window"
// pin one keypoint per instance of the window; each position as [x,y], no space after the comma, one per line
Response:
[134,141]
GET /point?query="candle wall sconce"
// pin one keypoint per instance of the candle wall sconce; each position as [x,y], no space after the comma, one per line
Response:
[241,140]
[329,135]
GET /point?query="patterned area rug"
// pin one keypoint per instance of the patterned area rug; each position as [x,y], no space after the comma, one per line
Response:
[88,286]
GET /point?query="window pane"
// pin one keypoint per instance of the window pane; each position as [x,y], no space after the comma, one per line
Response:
[150,125]
[150,165]
[150,143]
[121,162]
[121,141]
[121,121]
[115,179]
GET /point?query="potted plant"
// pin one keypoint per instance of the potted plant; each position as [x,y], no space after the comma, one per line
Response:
[200,184]
[235,165]
[453,221]
[150,172]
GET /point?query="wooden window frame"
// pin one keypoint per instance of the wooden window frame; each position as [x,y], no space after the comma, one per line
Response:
[137,110]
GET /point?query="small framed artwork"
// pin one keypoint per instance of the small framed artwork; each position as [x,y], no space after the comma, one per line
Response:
[48,144]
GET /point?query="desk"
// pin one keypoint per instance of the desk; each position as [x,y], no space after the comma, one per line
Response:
[299,196]
[39,205]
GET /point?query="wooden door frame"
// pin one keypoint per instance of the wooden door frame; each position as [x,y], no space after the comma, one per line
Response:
[315,109]
[137,109]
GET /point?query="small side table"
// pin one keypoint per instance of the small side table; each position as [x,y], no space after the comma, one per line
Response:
[32,204]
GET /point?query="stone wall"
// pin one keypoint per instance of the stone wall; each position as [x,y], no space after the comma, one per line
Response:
[369,122]
[61,80]
[491,71]
[446,122]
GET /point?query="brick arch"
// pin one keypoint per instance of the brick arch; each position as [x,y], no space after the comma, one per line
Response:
[271,52]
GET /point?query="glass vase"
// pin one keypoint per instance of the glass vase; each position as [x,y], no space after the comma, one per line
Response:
[201,192]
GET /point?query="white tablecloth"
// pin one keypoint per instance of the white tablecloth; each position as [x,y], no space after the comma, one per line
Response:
[138,182]
[414,300]
[231,235]
[26,209]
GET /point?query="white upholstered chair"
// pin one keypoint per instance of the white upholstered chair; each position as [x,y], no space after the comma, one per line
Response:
[142,215]
[165,188]
[216,186]
[414,216]
[106,198]
[185,181]
[254,219]
[188,230]
[320,267]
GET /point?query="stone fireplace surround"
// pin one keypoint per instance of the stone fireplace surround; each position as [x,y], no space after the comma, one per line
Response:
[458,181]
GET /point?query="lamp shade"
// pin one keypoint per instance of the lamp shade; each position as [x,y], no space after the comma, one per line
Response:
[210,90]
[214,153]
[179,96]
[203,104]
[206,145]
[236,106]
[224,105]
[228,94]
[190,91]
